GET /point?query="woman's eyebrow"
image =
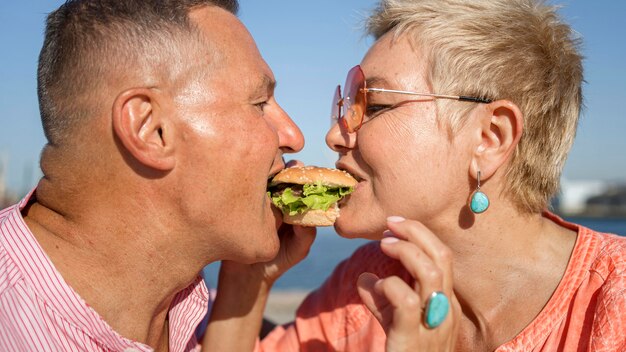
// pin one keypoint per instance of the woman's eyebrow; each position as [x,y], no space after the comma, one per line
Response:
[376,82]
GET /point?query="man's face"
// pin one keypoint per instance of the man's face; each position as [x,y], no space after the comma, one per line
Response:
[233,135]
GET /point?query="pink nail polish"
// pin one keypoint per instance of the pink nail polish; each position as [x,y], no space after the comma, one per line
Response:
[388,233]
[389,240]
[395,219]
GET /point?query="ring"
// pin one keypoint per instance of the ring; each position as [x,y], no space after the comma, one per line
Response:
[436,309]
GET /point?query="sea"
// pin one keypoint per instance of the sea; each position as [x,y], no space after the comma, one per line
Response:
[329,249]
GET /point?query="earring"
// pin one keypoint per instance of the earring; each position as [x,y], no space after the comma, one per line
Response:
[479,202]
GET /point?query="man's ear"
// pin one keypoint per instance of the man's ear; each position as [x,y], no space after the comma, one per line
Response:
[142,128]
[501,126]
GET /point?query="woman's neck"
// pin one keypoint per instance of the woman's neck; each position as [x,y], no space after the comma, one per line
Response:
[506,268]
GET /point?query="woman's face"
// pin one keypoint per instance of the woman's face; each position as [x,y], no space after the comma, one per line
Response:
[403,157]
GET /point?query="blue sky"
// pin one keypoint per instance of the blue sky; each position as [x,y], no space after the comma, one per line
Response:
[310,45]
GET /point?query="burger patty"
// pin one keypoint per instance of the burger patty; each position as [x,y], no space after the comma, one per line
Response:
[278,190]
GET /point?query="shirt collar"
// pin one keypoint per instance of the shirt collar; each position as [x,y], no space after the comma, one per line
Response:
[49,288]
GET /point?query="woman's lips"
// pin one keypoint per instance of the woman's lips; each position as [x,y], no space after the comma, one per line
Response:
[349,170]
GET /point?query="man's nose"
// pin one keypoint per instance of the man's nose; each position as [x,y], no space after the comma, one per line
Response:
[290,137]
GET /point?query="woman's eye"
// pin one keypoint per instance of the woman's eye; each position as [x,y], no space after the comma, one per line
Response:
[373,110]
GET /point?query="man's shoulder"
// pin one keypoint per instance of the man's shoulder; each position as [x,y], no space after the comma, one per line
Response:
[4,213]
[10,274]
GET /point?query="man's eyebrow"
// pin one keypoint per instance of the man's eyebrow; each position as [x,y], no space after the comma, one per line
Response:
[265,86]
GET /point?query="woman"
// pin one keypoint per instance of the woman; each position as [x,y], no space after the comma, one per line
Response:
[460,118]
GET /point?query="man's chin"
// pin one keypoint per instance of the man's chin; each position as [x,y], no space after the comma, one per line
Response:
[269,250]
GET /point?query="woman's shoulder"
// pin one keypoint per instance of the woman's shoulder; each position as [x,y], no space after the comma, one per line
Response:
[609,269]
[608,252]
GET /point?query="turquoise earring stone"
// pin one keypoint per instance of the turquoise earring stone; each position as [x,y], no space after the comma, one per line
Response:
[436,310]
[479,202]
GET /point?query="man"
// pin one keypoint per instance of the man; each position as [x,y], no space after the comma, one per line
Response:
[162,131]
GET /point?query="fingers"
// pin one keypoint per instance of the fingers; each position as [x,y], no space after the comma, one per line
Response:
[427,275]
[372,300]
[303,239]
[394,304]
[405,303]
[419,241]
[304,230]
[294,163]
[400,308]
[296,241]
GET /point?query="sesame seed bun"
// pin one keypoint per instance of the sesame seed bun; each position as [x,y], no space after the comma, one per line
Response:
[333,178]
[313,174]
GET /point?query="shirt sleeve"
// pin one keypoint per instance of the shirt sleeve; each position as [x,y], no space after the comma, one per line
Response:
[333,316]
[608,331]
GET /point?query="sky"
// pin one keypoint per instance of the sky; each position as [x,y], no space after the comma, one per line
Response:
[310,46]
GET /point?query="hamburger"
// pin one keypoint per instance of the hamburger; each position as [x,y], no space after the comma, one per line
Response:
[308,196]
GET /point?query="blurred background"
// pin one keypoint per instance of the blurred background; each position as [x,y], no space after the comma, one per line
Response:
[310,45]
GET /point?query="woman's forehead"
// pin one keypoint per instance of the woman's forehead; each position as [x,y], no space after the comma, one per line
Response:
[394,61]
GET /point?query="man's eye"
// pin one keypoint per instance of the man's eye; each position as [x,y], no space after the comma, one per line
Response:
[261,105]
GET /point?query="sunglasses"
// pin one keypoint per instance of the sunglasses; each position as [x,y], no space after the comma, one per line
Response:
[349,111]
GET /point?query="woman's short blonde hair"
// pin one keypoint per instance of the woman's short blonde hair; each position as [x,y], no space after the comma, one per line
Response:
[519,50]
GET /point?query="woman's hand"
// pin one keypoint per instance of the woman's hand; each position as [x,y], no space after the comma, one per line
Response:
[400,308]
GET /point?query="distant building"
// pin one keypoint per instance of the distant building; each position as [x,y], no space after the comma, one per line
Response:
[591,198]
[572,199]
[610,203]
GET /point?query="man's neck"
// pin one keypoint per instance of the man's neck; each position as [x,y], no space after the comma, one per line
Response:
[112,257]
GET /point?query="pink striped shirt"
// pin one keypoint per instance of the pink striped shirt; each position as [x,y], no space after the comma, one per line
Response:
[39,311]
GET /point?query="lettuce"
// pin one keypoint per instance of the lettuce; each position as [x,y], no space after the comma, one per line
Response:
[314,196]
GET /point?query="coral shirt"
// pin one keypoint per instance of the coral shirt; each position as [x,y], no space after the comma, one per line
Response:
[587,312]
[39,311]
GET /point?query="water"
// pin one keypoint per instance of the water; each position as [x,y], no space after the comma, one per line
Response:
[329,249]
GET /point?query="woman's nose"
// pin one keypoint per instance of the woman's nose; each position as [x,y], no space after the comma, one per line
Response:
[339,140]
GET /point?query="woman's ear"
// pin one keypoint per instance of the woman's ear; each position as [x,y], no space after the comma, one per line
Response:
[143,129]
[501,126]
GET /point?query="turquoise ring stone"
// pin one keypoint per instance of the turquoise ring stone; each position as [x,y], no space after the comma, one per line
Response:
[479,202]
[436,310]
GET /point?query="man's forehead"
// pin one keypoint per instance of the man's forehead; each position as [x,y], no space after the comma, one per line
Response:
[220,27]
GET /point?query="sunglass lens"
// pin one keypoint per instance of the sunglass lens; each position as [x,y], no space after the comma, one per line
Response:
[354,100]
[335,109]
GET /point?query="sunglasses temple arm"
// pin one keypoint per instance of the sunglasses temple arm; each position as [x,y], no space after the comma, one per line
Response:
[455,97]
[474,99]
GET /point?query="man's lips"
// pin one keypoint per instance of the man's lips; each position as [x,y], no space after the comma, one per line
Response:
[274,171]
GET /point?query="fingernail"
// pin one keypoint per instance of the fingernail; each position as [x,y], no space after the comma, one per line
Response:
[395,219]
[389,240]
[388,233]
